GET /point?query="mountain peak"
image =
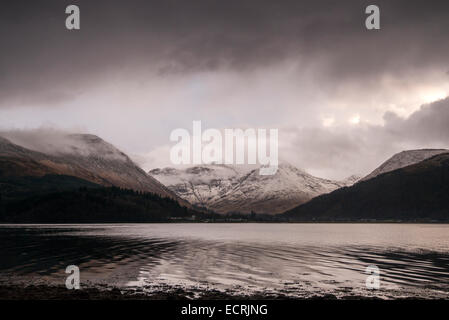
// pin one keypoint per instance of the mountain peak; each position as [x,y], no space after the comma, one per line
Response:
[85,156]
[403,159]
[87,137]
[415,193]
[234,188]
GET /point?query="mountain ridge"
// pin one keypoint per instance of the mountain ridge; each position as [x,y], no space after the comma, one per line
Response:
[403,159]
[84,156]
[232,189]
[417,192]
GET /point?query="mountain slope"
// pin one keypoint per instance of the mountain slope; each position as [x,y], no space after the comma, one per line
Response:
[418,192]
[20,188]
[92,205]
[199,185]
[228,189]
[87,157]
[403,159]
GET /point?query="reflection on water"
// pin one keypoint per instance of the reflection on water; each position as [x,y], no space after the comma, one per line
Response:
[294,259]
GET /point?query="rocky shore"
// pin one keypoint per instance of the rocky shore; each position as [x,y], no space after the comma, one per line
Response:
[50,292]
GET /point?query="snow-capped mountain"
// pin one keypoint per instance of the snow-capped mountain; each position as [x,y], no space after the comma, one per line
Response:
[404,159]
[80,155]
[352,179]
[417,192]
[227,189]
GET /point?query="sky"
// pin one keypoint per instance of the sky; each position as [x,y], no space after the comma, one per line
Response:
[343,98]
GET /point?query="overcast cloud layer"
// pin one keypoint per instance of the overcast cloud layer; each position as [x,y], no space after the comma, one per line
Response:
[343,97]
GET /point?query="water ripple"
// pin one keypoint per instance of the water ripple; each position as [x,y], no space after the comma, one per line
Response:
[119,257]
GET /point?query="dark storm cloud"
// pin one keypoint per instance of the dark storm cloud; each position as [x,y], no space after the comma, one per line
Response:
[339,152]
[43,62]
[430,124]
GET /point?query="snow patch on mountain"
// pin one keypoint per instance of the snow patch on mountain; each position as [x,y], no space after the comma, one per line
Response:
[404,159]
[84,156]
[57,143]
[227,189]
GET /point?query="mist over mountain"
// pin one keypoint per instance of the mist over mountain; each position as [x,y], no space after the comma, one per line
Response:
[36,165]
[84,156]
[235,189]
[76,178]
